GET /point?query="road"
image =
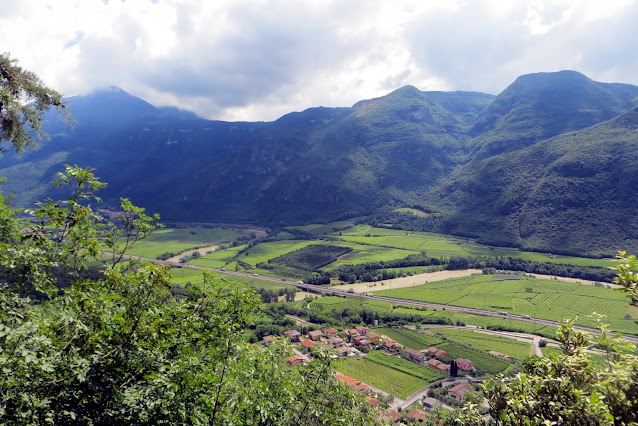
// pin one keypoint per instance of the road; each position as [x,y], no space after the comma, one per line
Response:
[348,293]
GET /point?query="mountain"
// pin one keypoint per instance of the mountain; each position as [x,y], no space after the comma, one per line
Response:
[542,165]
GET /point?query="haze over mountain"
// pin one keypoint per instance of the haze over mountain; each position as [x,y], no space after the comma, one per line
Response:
[547,164]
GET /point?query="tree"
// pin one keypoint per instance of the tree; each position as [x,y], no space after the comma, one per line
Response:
[23,101]
[454,369]
[121,348]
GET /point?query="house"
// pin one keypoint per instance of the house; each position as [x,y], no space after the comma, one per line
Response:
[413,355]
[294,360]
[443,367]
[315,335]
[464,364]
[350,332]
[416,415]
[348,380]
[293,335]
[373,401]
[373,337]
[361,341]
[307,344]
[269,339]
[392,416]
[335,342]
[438,365]
[363,330]
[437,352]
[343,350]
[457,391]
[330,332]
[391,345]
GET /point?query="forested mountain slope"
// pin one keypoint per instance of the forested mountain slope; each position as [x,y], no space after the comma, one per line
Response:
[543,165]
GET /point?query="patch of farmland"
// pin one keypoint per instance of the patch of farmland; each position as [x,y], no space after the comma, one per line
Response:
[409,338]
[403,242]
[385,378]
[265,251]
[401,364]
[365,240]
[482,360]
[489,342]
[311,257]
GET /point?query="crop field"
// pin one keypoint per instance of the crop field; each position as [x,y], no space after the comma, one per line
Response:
[385,378]
[482,361]
[218,258]
[176,240]
[265,251]
[401,364]
[410,339]
[368,253]
[440,245]
[331,302]
[548,299]
[487,342]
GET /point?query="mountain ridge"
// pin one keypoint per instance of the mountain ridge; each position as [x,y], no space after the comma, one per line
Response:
[471,159]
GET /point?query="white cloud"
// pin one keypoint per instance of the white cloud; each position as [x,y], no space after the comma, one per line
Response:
[259,59]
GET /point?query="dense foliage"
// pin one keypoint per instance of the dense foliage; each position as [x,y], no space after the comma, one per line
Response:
[121,348]
[23,102]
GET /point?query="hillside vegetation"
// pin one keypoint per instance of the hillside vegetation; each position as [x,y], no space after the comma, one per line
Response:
[544,165]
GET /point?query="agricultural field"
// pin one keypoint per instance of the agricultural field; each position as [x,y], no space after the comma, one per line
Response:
[488,342]
[401,364]
[219,258]
[409,338]
[440,245]
[482,360]
[385,378]
[182,276]
[539,298]
[331,302]
[266,251]
[176,240]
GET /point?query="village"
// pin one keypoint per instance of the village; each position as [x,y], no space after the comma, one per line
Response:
[359,341]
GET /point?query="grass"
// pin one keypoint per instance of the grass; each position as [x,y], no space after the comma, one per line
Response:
[385,378]
[547,299]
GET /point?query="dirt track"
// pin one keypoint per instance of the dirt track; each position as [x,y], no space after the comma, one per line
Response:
[201,251]
[410,281]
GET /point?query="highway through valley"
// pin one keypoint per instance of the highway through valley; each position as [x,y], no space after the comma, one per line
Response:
[325,290]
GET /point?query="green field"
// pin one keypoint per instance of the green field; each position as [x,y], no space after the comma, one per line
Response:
[548,299]
[440,245]
[488,342]
[385,378]
[175,240]
[410,339]
[482,360]
[408,367]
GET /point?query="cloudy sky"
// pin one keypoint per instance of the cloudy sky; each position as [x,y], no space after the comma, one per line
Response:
[259,59]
